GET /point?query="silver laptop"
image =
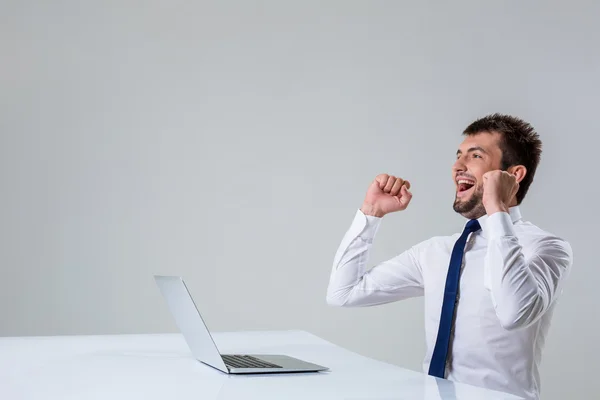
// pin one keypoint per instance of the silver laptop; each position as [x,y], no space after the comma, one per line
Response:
[196,334]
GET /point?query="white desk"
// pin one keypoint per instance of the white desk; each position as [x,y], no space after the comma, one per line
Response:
[161,367]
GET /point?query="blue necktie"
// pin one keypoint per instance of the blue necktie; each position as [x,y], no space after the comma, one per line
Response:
[437,367]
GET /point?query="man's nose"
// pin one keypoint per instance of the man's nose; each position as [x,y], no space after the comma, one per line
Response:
[459,165]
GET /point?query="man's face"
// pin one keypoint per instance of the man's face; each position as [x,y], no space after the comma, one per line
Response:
[476,155]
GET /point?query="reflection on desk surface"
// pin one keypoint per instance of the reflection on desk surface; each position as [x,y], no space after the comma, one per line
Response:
[330,386]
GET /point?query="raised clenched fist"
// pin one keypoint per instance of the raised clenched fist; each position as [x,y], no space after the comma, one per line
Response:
[386,194]
[499,190]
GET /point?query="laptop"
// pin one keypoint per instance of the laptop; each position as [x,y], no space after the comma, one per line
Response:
[199,340]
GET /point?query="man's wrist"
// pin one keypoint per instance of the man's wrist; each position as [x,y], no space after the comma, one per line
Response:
[371,210]
[499,225]
[495,208]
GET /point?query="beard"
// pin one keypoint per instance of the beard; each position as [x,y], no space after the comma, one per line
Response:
[471,208]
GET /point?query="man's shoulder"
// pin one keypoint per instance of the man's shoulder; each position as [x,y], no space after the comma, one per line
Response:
[541,239]
[437,241]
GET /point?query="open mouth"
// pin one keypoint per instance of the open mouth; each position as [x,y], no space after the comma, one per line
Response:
[464,186]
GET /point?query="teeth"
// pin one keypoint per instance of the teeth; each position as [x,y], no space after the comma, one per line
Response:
[465,182]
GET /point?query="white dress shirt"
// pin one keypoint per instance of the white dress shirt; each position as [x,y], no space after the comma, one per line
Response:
[512,274]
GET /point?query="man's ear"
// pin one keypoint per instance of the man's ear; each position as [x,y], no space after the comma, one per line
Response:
[519,171]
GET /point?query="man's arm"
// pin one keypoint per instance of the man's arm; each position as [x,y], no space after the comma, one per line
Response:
[522,289]
[350,283]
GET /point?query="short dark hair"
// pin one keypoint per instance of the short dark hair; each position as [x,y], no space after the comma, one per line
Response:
[520,144]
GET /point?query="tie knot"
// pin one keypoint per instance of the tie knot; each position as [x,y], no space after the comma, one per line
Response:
[472,226]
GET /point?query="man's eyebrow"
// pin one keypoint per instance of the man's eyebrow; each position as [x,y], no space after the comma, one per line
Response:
[472,149]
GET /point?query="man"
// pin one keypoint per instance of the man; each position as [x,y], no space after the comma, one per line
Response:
[489,291]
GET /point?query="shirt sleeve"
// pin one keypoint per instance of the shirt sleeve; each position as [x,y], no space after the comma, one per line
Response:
[521,288]
[351,284]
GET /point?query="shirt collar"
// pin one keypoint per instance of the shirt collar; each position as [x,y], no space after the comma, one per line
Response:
[514,212]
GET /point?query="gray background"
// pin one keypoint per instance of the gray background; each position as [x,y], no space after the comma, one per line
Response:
[233,143]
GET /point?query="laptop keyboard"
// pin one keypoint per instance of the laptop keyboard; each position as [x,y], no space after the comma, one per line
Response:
[237,361]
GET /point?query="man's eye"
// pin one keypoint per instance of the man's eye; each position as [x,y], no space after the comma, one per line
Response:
[476,156]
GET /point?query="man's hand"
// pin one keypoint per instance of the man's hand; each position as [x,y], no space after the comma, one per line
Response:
[499,190]
[385,195]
